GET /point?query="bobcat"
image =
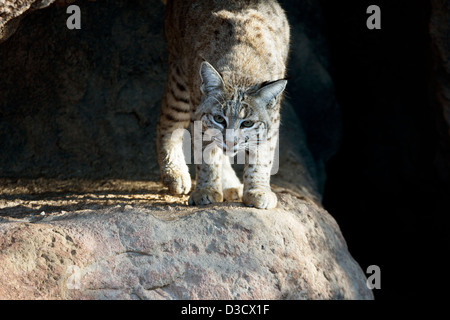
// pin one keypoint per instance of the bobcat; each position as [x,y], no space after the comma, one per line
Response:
[227,63]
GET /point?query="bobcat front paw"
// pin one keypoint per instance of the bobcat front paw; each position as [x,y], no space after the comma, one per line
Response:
[260,198]
[177,180]
[232,194]
[204,196]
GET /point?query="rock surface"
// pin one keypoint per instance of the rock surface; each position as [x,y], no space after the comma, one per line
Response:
[12,12]
[133,249]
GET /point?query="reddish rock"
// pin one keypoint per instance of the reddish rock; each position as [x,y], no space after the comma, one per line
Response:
[219,252]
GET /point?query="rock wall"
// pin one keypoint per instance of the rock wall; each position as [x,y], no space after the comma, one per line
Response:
[94,114]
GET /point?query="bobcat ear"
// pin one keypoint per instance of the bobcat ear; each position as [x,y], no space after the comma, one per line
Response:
[269,92]
[211,79]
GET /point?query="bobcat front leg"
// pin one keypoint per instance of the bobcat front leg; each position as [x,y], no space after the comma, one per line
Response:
[173,120]
[257,191]
[231,186]
[209,178]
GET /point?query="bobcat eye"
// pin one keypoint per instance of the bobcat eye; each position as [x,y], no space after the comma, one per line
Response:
[219,119]
[247,124]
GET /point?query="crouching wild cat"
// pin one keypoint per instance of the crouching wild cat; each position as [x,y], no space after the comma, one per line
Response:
[227,63]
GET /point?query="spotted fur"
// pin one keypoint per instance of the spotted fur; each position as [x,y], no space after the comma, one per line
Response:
[227,62]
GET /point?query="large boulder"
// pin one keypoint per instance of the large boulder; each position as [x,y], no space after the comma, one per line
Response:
[127,250]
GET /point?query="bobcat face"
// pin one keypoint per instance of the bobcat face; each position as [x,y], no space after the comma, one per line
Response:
[234,125]
[237,119]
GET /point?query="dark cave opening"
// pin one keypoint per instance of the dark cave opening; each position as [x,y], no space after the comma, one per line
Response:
[384,186]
